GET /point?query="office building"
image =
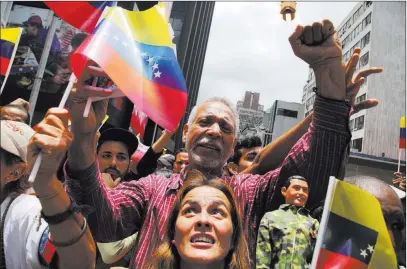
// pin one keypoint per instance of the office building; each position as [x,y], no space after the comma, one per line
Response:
[379,29]
[250,111]
[282,117]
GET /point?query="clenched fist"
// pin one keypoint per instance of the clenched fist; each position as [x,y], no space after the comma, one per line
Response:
[319,46]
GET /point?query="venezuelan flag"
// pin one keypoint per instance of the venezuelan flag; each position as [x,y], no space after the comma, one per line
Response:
[82,15]
[135,50]
[355,235]
[9,38]
[402,144]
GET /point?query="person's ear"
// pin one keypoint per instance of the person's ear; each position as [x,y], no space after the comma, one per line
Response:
[184,133]
[233,168]
[284,191]
[19,170]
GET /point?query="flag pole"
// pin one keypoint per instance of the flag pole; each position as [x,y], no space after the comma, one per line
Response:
[398,166]
[324,220]
[37,163]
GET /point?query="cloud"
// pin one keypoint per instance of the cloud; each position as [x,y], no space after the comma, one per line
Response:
[248,50]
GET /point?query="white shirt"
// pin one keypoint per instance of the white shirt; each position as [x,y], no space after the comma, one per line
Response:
[22,232]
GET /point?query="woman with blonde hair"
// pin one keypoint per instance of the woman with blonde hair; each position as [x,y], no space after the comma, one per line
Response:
[204,229]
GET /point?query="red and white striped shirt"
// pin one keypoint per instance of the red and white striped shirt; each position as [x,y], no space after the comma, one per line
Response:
[145,205]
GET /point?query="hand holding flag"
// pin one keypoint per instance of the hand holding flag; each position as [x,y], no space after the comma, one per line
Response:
[135,51]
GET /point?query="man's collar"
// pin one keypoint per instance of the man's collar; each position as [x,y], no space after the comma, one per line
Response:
[294,208]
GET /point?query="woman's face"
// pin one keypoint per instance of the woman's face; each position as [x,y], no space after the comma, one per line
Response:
[204,228]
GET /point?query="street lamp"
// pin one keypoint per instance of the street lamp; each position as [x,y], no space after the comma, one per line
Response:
[288,8]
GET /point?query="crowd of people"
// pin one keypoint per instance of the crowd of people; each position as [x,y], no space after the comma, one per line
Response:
[222,202]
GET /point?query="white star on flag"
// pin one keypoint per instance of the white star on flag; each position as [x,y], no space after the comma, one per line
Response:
[150,59]
[155,66]
[363,253]
[124,44]
[370,248]
[143,54]
[115,37]
[157,74]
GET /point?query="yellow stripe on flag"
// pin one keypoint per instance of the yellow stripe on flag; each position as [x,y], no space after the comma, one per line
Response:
[361,207]
[105,119]
[10,34]
[403,122]
[148,27]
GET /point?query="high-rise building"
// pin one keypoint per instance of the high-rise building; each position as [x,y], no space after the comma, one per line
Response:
[282,117]
[379,29]
[250,111]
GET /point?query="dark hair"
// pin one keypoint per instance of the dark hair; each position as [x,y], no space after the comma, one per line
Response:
[180,150]
[166,255]
[19,185]
[288,182]
[99,145]
[78,39]
[246,142]
[27,117]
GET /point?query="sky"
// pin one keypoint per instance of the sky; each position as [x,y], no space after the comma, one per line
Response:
[248,50]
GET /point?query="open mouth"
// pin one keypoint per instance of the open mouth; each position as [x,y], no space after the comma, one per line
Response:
[202,238]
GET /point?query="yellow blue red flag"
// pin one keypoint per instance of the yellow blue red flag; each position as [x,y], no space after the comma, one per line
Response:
[9,38]
[353,233]
[135,50]
[402,144]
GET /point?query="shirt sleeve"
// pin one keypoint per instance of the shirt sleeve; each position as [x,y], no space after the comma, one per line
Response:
[320,153]
[112,252]
[114,214]
[264,245]
[148,163]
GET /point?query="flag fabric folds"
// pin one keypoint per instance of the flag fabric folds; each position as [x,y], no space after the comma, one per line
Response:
[9,38]
[354,234]
[138,122]
[82,15]
[402,144]
[135,50]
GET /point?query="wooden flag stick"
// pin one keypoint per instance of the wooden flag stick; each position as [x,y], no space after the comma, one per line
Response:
[37,163]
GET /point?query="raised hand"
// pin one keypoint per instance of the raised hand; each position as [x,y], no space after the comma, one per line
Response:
[77,103]
[353,84]
[319,46]
[52,138]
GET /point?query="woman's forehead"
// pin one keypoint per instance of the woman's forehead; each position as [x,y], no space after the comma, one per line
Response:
[206,195]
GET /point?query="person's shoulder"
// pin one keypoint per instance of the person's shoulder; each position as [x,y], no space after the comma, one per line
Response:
[24,204]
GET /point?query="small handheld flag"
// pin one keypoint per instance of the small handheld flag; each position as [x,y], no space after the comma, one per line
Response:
[402,143]
[353,233]
[135,50]
[82,15]
[9,38]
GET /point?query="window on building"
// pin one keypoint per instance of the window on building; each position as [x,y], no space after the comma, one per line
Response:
[351,123]
[287,113]
[368,3]
[357,144]
[367,20]
[365,40]
[349,23]
[361,98]
[364,60]
[359,123]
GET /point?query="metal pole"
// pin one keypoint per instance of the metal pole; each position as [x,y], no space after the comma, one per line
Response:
[398,166]
[5,13]
[154,134]
[40,73]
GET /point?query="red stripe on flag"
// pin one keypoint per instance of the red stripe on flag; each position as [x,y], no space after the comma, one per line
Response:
[331,260]
[4,62]
[402,144]
[162,104]
[81,15]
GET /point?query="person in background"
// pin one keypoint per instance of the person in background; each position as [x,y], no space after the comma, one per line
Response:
[36,35]
[246,151]
[392,209]
[14,113]
[204,228]
[165,165]
[287,236]
[42,231]
[181,160]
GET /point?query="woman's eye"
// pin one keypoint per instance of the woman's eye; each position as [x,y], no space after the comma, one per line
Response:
[218,212]
[189,210]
